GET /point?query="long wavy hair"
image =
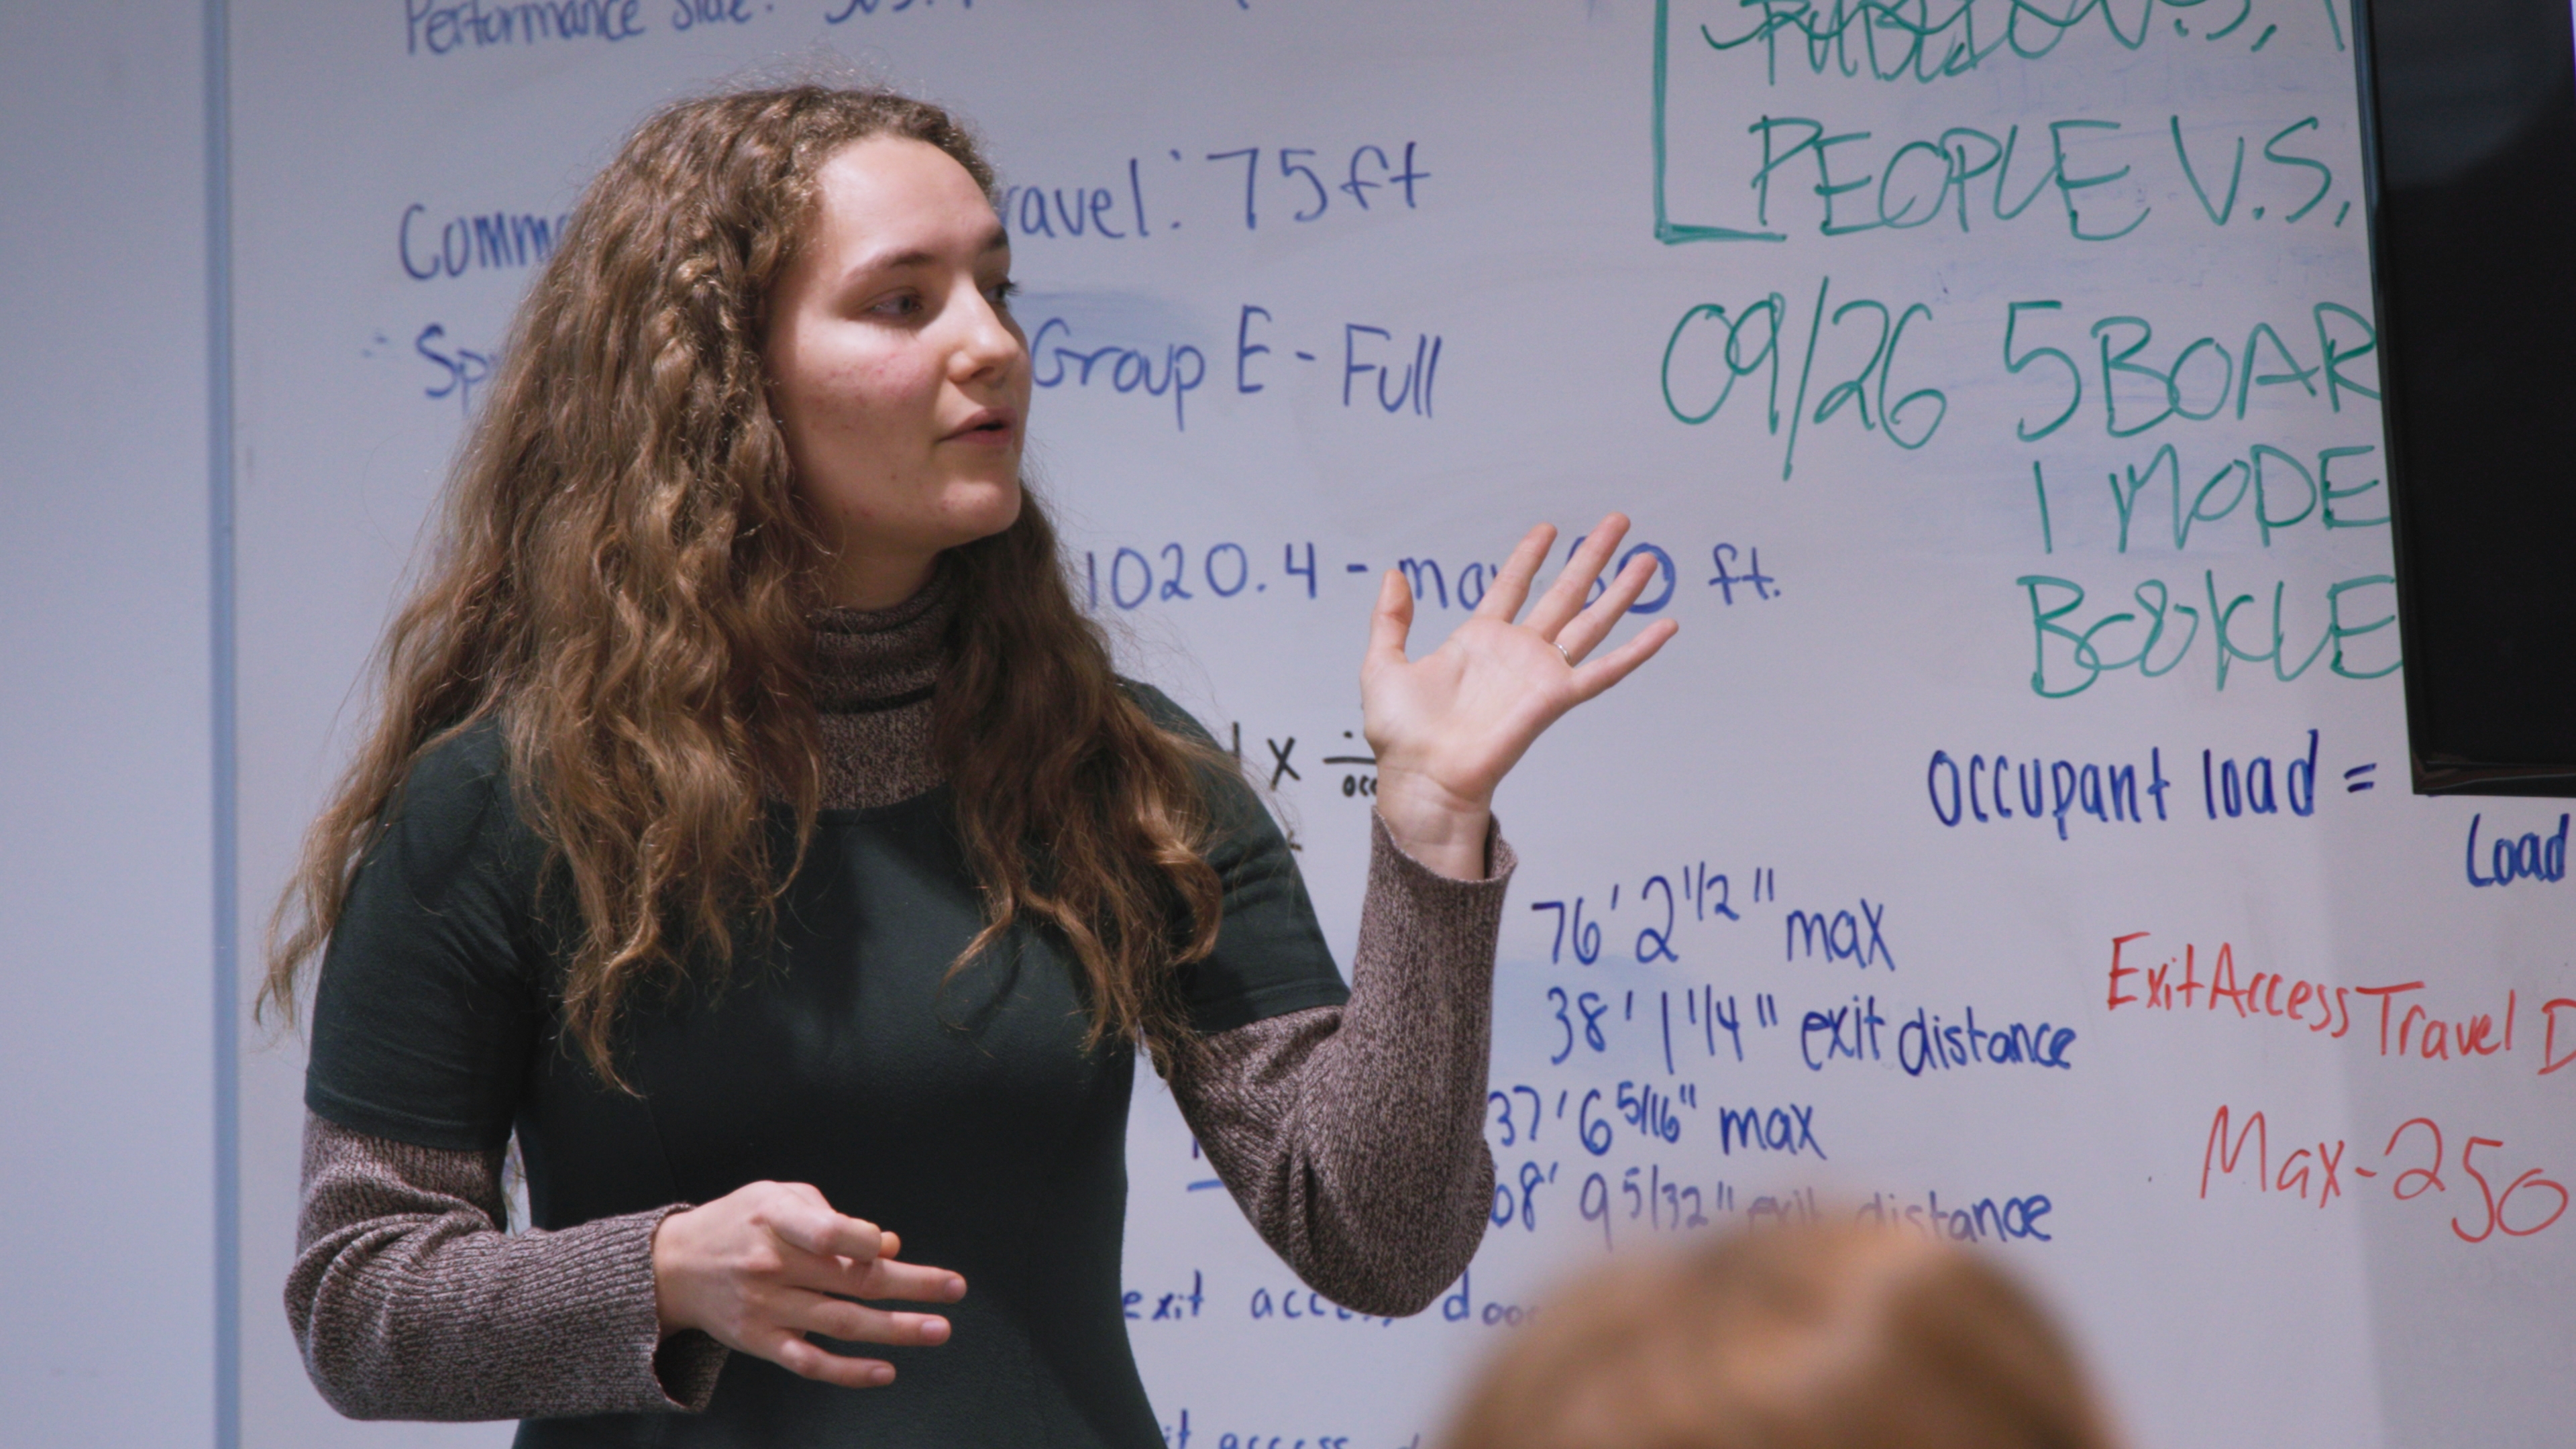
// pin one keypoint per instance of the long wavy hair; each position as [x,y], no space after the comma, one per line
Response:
[626,577]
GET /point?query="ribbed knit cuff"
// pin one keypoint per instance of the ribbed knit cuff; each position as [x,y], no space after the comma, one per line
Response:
[410,1303]
[1421,908]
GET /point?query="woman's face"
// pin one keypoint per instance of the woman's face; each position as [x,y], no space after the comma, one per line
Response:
[896,371]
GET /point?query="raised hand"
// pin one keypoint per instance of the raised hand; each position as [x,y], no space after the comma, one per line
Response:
[766,1264]
[1447,727]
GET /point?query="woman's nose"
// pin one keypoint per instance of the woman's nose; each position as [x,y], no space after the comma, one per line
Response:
[989,341]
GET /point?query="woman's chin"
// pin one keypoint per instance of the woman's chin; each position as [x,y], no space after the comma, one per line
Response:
[982,509]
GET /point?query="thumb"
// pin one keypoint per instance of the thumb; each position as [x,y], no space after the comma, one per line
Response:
[1392,622]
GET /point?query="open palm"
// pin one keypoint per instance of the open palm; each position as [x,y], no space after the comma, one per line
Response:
[1447,727]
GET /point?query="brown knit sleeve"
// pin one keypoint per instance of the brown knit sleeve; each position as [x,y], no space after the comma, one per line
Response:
[409,1302]
[1353,1136]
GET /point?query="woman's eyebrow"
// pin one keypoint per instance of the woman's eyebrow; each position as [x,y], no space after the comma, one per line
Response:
[997,240]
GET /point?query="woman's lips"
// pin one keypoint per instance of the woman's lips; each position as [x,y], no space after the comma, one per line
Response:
[990,427]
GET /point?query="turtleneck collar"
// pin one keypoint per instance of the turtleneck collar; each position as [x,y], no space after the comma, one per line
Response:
[868,660]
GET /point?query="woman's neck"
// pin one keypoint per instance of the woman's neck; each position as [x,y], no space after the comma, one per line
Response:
[870,582]
[873,674]
[863,657]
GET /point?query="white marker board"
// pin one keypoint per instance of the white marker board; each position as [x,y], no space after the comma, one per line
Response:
[2027,307]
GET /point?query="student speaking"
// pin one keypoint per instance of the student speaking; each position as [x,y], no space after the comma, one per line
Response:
[754,829]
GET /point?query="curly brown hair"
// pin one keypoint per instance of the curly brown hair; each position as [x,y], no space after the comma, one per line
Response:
[626,576]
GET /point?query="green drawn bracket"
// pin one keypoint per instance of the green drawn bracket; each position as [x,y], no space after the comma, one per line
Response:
[1668,231]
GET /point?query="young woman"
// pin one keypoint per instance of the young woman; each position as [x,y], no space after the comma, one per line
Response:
[755,829]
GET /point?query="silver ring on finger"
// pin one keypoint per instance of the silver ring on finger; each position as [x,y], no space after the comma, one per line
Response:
[1561,654]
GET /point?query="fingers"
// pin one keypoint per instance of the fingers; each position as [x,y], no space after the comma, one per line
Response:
[770,1263]
[858,1323]
[1392,622]
[1597,675]
[912,1282]
[879,1277]
[784,1340]
[794,1353]
[1594,623]
[1512,584]
[1564,598]
[800,1218]
[835,1253]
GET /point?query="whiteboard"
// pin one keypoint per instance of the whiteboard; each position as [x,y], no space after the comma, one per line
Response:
[2018,326]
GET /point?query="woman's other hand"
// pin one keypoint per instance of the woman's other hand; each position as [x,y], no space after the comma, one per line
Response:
[767,1264]
[1447,727]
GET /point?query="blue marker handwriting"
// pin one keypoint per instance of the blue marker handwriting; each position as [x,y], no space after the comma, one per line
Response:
[1842,935]
[1132,199]
[1131,576]
[2509,858]
[441,29]
[487,241]
[844,9]
[460,369]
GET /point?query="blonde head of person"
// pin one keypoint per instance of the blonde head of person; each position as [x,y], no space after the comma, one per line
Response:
[1847,1337]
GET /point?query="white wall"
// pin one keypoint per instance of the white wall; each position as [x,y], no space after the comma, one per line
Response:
[107,1248]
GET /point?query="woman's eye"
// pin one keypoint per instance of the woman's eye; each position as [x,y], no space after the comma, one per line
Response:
[1001,293]
[899,305]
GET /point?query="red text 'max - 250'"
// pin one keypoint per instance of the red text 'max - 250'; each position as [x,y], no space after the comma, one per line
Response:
[2412,1164]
